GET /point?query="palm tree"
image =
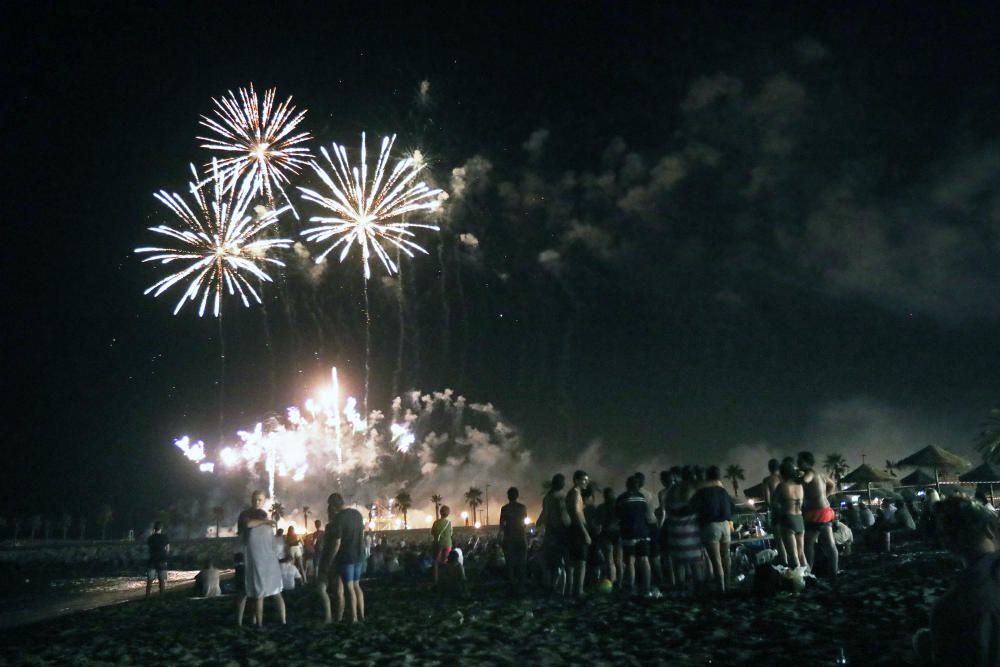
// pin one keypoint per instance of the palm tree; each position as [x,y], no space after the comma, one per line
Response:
[104,518]
[404,502]
[277,512]
[473,498]
[437,500]
[890,467]
[305,516]
[836,465]
[988,441]
[735,474]
[65,522]
[218,513]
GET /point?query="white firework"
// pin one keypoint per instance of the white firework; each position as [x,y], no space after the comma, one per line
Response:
[219,244]
[370,212]
[257,141]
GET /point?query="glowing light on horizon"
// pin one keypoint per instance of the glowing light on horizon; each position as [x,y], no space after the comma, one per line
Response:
[219,244]
[258,141]
[367,211]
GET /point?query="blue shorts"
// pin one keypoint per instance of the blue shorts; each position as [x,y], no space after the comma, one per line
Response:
[349,572]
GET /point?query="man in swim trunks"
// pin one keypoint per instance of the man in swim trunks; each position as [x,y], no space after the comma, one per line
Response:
[577,537]
[771,483]
[816,512]
[340,566]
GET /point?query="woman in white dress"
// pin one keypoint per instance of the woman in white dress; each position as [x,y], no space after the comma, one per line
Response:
[262,577]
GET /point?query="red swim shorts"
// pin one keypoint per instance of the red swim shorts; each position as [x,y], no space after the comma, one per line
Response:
[819,518]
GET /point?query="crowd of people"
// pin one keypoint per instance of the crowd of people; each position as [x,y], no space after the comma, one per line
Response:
[591,538]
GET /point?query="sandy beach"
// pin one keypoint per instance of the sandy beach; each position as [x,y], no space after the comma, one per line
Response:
[870,613]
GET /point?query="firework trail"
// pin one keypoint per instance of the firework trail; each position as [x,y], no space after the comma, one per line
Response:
[365,210]
[258,141]
[218,245]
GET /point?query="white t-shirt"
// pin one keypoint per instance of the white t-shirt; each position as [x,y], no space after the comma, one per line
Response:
[289,576]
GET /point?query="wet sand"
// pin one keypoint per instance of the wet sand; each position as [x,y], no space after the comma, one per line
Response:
[870,613]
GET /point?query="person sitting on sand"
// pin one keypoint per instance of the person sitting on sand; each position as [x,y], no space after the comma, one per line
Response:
[452,576]
[343,549]
[965,622]
[817,512]
[206,582]
[442,532]
[791,526]
[159,548]
[904,519]
[853,516]
[866,515]
[290,576]
[262,577]
[843,537]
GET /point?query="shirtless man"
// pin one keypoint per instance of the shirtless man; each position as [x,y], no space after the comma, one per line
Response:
[555,520]
[771,483]
[788,523]
[817,512]
[578,537]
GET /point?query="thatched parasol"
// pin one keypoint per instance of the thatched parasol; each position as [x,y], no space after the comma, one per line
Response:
[756,491]
[987,473]
[937,458]
[865,474]
[918,478]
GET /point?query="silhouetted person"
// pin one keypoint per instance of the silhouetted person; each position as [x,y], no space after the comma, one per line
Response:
[514,538]
[159,548]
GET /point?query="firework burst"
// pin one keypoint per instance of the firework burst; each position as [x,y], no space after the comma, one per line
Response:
[257,140]
[367,211]
[219,244]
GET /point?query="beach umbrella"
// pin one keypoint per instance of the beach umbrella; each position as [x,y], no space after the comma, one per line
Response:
[937,458]
[987,473]
[917,478]
[756,492]
[865,474]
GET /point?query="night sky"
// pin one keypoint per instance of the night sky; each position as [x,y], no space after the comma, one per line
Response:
[707,233]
